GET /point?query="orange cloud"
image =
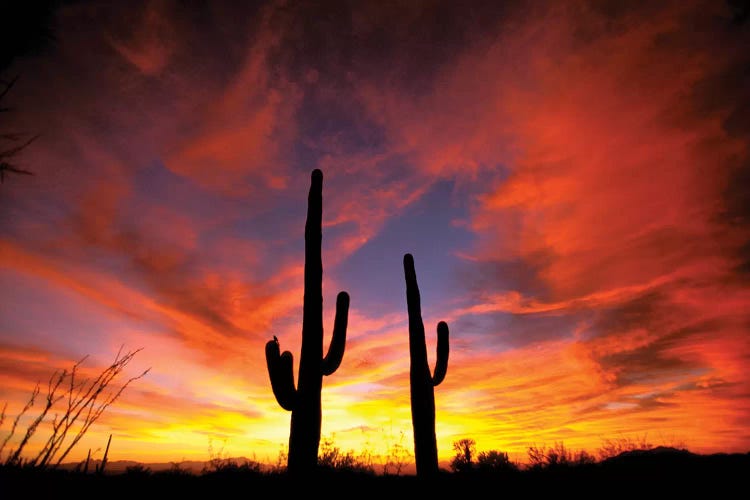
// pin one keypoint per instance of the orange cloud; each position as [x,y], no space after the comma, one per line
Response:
[598,153]
[237,139]
[614,188]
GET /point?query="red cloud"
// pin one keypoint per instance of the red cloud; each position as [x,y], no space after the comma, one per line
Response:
[617,165]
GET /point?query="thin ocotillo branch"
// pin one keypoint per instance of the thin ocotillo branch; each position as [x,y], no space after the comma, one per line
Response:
[28,405]
[52,386]
[94,413]
[7,153]
[86,401]
[49,445]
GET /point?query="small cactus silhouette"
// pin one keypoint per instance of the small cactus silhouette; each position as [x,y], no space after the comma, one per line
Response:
[304,401]
[103,464]
[422,383]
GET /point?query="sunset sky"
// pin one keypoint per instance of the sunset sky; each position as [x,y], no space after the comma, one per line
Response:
[572,178]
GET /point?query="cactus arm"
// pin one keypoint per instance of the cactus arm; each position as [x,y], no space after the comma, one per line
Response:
[280,373]
[441,365]
[338,341]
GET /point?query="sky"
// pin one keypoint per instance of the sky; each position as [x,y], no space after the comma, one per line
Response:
[572,178]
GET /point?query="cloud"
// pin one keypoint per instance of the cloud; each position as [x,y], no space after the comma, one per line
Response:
[149,43]
[604,149]
[582,166]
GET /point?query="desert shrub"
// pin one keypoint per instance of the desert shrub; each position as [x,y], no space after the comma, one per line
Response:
[332,458]
[175,470]
[495,461]
[465,450]
[137,470]
[219,463]
[611,447]
[281,460]
[541,457]
[397,458]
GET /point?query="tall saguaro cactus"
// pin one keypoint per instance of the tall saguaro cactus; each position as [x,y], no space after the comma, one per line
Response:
[304,401]
[422,383]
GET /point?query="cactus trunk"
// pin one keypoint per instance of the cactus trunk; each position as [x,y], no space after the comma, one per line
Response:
[422,382]
[304,437]
[304,401]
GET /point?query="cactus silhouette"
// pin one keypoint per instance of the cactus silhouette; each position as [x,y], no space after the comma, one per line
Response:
[304,401]
[422,383]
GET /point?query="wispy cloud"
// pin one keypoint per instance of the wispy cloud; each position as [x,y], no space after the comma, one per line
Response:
[572,177]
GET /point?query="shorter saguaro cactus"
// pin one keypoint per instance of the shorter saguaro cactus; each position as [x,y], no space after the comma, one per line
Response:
[422,383]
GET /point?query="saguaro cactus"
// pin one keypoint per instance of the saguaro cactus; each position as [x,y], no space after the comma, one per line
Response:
[304,401]
[422,383]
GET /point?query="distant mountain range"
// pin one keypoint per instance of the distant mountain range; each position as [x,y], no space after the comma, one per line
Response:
[662,458]
[120,466]
[665,458]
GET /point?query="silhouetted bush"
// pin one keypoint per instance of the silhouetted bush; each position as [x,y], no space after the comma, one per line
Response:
[611,447]
[176,470]
[487,462]
[495,461]
[465,450]
[541,457]
[137,470]
[332,458]
[397,458]
[234,468]
[219,464]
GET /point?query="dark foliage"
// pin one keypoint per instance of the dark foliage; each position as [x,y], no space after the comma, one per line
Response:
[659,471]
